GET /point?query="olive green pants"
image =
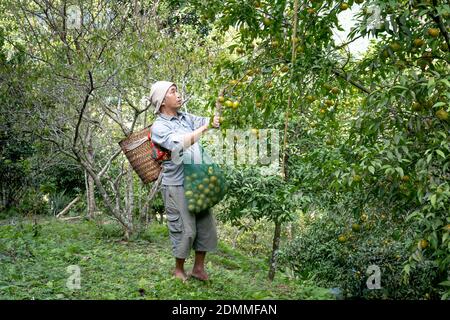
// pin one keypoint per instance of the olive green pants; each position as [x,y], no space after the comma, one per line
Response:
[187,230]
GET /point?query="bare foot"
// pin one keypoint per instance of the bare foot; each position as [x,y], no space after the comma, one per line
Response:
[199,274]
[180,274]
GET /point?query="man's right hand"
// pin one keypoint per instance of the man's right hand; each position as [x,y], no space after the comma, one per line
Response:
[216,121]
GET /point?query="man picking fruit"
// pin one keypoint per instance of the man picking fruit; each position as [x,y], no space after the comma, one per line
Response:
[179,132]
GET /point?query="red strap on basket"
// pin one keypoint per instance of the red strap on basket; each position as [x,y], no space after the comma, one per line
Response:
[157,153]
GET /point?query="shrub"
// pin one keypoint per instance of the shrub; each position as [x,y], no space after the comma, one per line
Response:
[34,203]
[336,256]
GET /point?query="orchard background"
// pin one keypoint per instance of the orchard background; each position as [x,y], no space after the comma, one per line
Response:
[365,146]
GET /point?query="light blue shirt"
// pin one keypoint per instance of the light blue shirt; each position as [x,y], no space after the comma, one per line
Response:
[168,132]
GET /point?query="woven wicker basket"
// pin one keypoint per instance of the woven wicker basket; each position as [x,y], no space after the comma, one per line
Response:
[139,150]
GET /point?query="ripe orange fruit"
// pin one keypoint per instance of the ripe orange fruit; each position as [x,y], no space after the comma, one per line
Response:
[442,114]
[344,6]
[310,98]
[418,42]
[267,22]
[423,244]
[433,32]
[356,227]
[395,46]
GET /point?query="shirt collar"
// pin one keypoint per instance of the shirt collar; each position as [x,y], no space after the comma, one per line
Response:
[170,117]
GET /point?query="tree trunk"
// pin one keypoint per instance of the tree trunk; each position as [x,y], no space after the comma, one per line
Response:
[90,196]
[67,208]
[91,207]
[114,210]
[275,247]
[3,198]
[129,200]
[284,162]
[235,239]
[139,204]
[153,191]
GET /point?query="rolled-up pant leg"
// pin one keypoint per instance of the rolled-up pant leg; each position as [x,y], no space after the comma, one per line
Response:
[206,239]
[187,230]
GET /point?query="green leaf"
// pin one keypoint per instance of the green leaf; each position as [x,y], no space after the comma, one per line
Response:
[445,237]
[413,215]
[445,283]
[433,200]
[439,152]
[438,104]
[446,82]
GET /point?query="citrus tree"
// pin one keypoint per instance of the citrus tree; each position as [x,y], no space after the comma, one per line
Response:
[386,113]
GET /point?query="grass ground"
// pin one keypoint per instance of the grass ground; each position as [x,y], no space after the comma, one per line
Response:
[34,260]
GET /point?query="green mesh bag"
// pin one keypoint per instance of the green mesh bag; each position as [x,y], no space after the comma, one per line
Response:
[204,184]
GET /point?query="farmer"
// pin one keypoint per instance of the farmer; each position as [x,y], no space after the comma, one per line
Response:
[179,132]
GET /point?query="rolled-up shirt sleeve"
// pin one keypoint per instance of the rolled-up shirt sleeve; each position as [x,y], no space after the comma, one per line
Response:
[164,136]
[197,121]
